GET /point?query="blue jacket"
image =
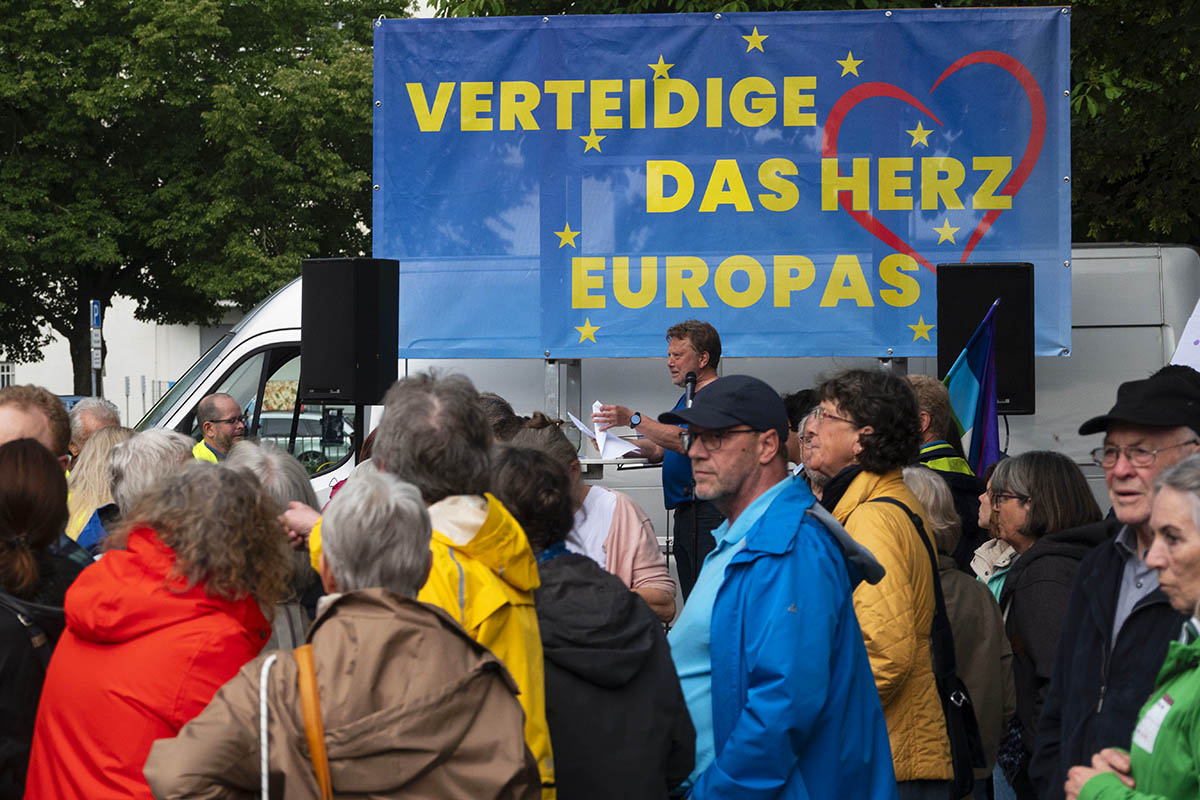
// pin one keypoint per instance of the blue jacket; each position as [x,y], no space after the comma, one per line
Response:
[795,710]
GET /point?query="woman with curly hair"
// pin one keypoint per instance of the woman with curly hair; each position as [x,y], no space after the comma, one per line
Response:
[867,430]
[168,615]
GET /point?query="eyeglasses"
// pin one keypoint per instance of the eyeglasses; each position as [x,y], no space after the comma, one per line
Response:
[1000,497]
[1138,456]
[820,415]
[244,419]
[711,440]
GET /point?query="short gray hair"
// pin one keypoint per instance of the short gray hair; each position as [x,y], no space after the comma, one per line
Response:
[137,464]
[284,478]
[934,494]
[102,410]
[435,435]
[375,533]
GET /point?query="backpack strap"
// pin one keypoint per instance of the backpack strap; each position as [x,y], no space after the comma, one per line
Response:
[42,646]
[313,727]
[941,638]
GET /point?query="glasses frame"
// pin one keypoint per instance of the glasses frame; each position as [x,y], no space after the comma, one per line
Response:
[244,419]
[711,439]
[820,415]
[1144,457]
[999,497]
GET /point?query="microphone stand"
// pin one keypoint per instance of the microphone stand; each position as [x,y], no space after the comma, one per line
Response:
[689,394]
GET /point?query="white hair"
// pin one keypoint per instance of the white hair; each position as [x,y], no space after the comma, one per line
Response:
[104,411]
[376,533]
[139,463]
[284,478]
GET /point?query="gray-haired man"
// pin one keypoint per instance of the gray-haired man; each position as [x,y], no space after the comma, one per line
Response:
[88,416]
[1117,626]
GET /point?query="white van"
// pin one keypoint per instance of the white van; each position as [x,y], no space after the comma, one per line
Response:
[1130,302]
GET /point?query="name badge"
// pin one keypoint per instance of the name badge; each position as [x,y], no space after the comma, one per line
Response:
[1147,729]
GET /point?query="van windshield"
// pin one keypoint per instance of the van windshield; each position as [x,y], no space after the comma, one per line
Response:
[179,387]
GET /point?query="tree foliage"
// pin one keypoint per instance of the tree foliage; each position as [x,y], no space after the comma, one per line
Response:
[1135,127]
[178,152]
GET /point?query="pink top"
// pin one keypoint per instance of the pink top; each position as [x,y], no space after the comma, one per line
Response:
[630,549]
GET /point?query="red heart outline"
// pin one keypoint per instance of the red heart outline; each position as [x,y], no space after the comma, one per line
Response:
[1033,146]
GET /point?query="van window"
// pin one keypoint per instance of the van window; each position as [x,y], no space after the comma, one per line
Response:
[264,384]
[167,402]
[324,431]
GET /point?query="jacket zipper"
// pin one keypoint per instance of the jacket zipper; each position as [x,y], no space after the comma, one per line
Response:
[1112,645]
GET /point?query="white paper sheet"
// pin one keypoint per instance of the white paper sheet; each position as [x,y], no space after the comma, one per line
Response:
[607,444]
[1187,352]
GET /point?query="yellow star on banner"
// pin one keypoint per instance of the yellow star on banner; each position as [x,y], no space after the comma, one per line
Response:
[921,330]
[660,69]
[587,331]
[920,135]
[850,64]
[946,233]
[754,41]
[566,236]
[592,140]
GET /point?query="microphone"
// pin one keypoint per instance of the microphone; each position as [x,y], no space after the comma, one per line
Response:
[689,384]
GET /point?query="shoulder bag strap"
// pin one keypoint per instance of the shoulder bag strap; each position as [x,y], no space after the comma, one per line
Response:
[943,644]
[313,727]
[38,639]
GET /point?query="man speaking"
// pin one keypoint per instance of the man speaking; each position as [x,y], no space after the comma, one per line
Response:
[693,347]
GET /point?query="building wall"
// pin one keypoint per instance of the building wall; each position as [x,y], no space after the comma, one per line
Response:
[137,351]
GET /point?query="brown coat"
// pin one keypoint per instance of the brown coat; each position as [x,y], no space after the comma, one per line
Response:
[983,654]
[412,707]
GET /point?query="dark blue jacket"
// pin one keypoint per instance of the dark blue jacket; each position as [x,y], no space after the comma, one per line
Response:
[1096,690]
[795,709]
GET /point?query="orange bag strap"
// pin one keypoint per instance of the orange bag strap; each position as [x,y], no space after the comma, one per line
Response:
[313,727]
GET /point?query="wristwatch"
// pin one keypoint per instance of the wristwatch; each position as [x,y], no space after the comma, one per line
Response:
[635,419]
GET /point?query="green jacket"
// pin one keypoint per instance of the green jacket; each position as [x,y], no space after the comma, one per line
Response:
[1172,770]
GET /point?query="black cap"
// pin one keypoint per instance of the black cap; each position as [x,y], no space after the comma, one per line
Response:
[734,400]
[1167,399]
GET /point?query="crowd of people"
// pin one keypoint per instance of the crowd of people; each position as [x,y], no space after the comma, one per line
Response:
[858,614]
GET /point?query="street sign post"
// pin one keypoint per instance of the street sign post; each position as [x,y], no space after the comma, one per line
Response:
[97,344]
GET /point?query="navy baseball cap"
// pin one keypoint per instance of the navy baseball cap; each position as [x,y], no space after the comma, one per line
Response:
[734,400]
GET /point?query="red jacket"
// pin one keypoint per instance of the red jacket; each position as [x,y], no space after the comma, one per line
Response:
[136,662]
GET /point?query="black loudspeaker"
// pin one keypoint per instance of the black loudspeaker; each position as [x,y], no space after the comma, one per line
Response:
[349,329]
[964,294]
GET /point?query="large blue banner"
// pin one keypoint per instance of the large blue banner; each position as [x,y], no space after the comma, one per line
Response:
[571,186]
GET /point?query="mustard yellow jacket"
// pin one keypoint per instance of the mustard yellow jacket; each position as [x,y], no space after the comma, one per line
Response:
[896,616]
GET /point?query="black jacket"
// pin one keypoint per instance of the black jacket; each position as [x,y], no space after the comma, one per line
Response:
[1036,594]
[1096,690]
[618,722]
[22,669]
